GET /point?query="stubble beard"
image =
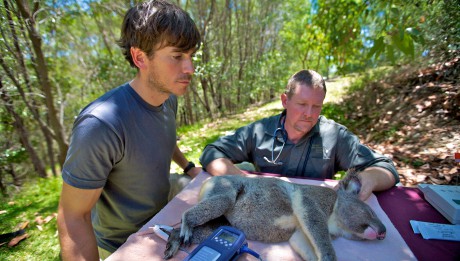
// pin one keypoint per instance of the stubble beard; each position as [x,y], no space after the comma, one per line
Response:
[305,127]
[155,85]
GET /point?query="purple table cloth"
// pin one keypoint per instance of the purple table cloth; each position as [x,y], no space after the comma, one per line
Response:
[402,204]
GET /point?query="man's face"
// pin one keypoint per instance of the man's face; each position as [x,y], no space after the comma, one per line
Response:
[170,70]
[302,110]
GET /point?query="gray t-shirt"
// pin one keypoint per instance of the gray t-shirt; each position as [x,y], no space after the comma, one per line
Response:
[125,145]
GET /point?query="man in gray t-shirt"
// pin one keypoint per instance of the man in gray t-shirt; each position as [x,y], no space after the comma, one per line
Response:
[116,174]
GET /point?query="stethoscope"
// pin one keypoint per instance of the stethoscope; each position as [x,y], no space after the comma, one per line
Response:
[275,137]
[285,137]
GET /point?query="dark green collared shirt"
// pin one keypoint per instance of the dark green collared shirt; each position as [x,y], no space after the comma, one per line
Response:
[328,148]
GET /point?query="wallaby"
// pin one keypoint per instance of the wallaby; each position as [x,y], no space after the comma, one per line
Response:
[272,210]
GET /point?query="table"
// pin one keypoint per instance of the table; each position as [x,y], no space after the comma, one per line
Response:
[395,207]
[402,204]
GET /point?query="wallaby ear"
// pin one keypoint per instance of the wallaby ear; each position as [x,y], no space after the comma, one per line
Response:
[351,183]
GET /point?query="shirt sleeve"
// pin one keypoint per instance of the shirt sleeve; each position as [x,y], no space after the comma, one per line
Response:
[352,154]
[94,150]
[235,147]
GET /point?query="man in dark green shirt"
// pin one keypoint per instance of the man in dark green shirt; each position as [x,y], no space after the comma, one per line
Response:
[300,142]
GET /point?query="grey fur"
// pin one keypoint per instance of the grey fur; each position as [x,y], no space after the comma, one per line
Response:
[272,210]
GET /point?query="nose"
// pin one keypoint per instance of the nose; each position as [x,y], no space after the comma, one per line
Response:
[307,111]
[188,67]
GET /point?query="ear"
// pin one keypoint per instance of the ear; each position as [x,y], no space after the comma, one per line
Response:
[351,183]
[284,99]
[140,58]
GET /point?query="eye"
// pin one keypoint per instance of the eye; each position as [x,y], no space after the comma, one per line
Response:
[177,57]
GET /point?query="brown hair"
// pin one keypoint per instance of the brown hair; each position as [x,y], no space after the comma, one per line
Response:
[309,78]
[157,24]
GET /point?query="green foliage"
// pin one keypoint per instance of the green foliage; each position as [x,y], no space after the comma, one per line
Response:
[13,155]
[335,112]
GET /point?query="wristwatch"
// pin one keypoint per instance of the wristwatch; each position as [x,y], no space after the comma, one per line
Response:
[189,166]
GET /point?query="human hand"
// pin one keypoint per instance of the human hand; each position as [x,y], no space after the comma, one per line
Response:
[368,183]
[367,186]
[374,179]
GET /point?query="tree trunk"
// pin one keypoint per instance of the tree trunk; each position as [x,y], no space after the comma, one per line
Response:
[20,128]
[42,71]
[29,101]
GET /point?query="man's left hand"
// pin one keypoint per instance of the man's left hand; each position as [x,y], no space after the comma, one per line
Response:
[374,179]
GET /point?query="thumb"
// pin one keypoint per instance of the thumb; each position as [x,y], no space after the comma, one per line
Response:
[365,193]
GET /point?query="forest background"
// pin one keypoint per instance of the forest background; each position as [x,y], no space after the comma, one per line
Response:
[56,56]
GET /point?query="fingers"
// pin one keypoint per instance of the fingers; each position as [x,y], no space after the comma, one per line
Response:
[365,193]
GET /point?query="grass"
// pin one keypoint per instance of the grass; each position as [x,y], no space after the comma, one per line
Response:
[41,197]
[36,200]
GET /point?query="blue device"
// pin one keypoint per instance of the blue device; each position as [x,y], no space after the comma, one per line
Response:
[223,245]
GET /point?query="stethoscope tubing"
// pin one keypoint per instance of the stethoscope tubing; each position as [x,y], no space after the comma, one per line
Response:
[275,137]
[284,136]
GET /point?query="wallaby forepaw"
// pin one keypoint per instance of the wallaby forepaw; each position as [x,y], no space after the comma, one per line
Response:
[186,234]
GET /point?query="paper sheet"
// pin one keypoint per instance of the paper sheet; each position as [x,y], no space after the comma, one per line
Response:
[436,231]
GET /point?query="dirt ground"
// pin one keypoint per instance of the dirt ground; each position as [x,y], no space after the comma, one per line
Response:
[413,116]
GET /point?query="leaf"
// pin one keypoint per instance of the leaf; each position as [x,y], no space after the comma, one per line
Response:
[23,225]
[416,35]
[377,48]
[39,220]
[405,43]
[391,54]
[17,239]
[49,218]
[413,31]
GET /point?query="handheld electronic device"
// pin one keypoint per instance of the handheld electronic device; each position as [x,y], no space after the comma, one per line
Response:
[223,245]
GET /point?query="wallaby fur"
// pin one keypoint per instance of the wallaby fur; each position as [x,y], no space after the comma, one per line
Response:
[273,210]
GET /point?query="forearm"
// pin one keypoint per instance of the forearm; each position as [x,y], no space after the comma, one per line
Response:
[179,157]
[382,178]
[222,166]
[76,234]
[77,238]
[182,161]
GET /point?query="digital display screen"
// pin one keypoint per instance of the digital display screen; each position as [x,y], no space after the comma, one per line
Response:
[227,236]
